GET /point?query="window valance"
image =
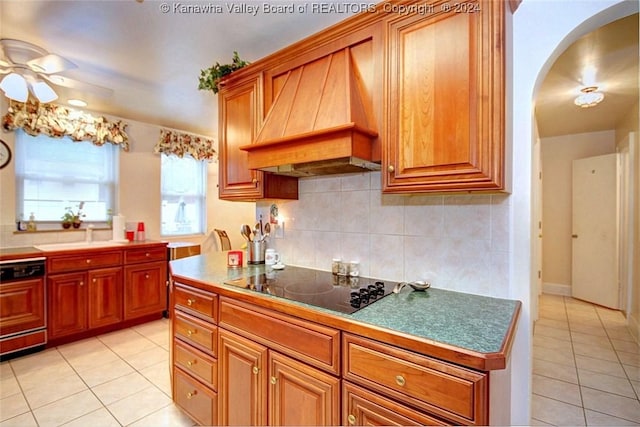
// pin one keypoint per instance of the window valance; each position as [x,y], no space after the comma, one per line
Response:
[178,143]
[58,121]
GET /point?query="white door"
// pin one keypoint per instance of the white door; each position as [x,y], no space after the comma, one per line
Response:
[594,268]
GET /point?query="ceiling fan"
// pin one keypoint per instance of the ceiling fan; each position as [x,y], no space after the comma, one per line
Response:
[28,67]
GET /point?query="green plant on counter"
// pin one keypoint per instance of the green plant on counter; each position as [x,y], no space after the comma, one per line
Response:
[72,218]
[210,77]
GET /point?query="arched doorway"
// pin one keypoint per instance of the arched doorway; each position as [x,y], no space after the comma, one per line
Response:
[541,31]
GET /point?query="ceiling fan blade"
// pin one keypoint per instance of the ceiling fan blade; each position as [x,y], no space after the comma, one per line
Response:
[78,85]
[50,63]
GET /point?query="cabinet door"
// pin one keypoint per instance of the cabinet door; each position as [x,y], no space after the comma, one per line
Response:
[445,100]
[21,306]
[67,304]
[238,121]
[240,107]
[145,289]
[105,296]
[301,395]
[242,381]
[364,408]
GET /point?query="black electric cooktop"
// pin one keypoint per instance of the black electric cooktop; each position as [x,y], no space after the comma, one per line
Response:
[318,288]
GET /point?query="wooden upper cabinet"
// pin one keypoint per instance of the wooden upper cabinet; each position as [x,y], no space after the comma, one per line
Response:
[240,115]
[445,100]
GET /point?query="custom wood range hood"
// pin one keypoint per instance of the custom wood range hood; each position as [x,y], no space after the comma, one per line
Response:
[319,123]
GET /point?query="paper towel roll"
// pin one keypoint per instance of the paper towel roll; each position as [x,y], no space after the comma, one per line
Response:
[118,227]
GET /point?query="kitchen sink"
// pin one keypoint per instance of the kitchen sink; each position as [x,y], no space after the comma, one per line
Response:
[78,245]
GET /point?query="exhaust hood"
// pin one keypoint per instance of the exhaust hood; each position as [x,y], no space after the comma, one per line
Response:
[319,123]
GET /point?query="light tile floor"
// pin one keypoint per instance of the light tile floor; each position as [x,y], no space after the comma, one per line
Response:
[116,379]
[586,366]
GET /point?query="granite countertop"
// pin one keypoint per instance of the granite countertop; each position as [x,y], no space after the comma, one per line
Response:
[476,323]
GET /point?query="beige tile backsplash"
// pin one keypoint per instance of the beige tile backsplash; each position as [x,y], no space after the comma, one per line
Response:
[457,242]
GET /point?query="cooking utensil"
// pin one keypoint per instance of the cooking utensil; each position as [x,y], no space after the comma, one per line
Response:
[245,230]
[267,231]
[417,285]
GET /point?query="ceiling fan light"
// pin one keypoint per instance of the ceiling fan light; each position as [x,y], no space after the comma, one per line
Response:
[14,87]
[43,92]
[590,97]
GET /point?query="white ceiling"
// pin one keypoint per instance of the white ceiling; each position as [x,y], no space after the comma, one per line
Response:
[613,51]
[152,59]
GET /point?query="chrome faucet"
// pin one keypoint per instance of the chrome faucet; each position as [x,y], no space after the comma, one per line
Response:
[89,236]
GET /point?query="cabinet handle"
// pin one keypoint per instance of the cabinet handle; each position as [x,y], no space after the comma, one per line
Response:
[190,302]
[88,261]
[191,394]
[190,332]
[147,254]
[190,363]
[391,169]
[254,181]
[352,419]
[400,380]
[255,370]
[146,276]
[82,283]
[95,280]
[274,380]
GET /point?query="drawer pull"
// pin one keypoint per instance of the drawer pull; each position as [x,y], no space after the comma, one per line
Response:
[190,302]
[352,419]
[274,380]
[191,394]
[190,332]
[400,380]
[147,254]
[190,363]
[88,261]
[255,370]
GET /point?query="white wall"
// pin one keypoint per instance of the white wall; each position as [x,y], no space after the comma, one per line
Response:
[558,154]
[138,197]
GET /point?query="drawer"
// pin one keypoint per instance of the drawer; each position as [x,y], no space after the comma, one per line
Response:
[429,384]
[196,332]
[198,401]
[199,303]
[148,254]
[86,261]
[309,342]
[196,363]
[364,408]
[22,342]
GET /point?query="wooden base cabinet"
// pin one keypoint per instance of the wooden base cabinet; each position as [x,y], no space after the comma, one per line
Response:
[259,386]
[84,300]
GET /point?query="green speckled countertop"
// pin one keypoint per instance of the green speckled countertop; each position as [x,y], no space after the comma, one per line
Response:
[476,323]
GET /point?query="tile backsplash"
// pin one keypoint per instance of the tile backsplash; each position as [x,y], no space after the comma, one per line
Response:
[457,242]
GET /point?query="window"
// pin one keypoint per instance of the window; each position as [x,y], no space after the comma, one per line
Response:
[55,173]
[183,184]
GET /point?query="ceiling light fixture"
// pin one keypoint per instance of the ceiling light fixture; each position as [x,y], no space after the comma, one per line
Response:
[16,86]
[590,97]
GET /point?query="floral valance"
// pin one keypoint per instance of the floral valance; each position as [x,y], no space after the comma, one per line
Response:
[58,121]
[178,143]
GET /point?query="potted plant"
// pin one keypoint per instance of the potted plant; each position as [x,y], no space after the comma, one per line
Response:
[71,218]
[210,77]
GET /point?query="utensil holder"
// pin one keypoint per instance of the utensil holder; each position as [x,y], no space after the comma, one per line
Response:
[255,252]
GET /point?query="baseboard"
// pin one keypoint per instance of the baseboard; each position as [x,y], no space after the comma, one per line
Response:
[556,289]
[634,327]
